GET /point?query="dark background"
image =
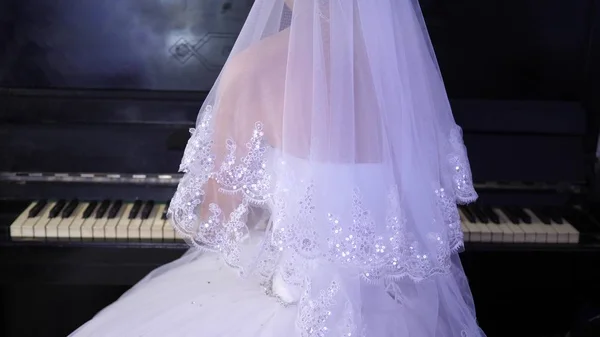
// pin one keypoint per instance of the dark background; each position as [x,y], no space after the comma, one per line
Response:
[512,49]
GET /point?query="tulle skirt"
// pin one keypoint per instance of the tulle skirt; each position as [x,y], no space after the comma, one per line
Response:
[198,295]
[201,295]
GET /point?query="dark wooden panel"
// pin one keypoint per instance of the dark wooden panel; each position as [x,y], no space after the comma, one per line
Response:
[498,49]
[155,45]
[88,148]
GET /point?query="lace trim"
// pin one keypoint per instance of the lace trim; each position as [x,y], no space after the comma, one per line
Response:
[452,219]
[378,254]
[464,190]
[313,314]
[394,253]
[248,178]
[292,241]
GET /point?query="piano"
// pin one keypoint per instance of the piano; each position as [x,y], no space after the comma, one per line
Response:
[90,142]
[85,236]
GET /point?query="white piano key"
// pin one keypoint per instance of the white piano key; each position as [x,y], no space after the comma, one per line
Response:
[87,226]
[64,224]
[573,233]
[42,228]
[528,231]
[518,236]
[103,224]
[562,232]
[16,228]
[497,235]
[508,236]
[75,227]
[99,227]
[53,227]
[540,229]
[474,231]
[133,230]
[486,233]
[146,226]
[465,230]
[123,224]
[29,228]
[169,234]
[481,231]
[158,224]
[567,233]
[546,233]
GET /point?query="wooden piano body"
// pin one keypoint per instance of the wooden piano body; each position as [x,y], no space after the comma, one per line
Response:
[88,161]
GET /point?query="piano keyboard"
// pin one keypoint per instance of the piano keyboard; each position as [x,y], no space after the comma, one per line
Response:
[106,220]
[146,221]
[515,225]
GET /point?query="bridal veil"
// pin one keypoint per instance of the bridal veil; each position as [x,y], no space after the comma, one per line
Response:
[331,118]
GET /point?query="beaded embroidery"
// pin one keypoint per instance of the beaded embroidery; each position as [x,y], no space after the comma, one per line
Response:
[459,162]
[313,314]
[378,254]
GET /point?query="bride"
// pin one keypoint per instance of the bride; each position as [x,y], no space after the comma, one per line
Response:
[320,188]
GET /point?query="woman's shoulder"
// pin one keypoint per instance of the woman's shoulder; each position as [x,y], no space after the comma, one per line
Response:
[258,58]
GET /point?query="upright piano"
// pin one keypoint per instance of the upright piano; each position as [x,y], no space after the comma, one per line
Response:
[92,131]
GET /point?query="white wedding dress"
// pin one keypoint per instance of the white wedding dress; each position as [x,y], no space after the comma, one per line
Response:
[205,298]
[320,188]
[201,295]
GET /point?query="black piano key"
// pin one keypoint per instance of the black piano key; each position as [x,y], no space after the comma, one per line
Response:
[522,215]
[544,218]
[70,208]
[492,215]
[467,213]
[164,214]
[478,213]
[102,209]
[57,208]
[554,214]
[148,206]
[89,209]
[137,205]
[114,209]
[39,206]
[511,215]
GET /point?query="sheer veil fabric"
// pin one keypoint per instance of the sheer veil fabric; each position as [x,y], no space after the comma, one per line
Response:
[330,119]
